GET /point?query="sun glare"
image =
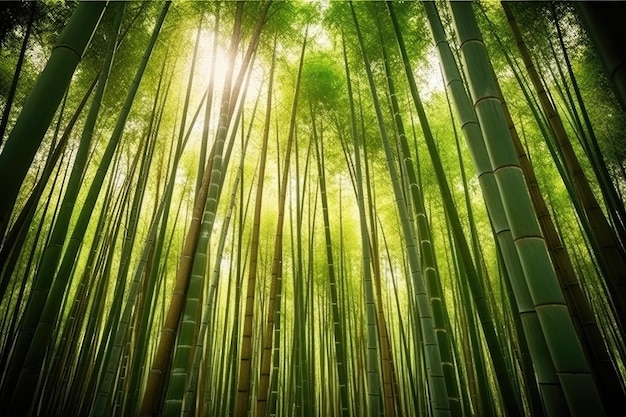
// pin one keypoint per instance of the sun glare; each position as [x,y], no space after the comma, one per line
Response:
[210,66]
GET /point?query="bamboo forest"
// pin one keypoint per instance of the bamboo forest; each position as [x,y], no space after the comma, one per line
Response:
[312,208]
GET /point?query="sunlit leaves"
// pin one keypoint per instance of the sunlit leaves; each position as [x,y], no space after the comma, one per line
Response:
[322,82]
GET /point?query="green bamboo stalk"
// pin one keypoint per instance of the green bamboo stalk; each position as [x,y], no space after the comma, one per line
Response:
[373,390]
[191,391]
[26,264]
[611,254]
[97,269]
[16,235]
[566,352]
[618,212]
[80,304]
[40,311]
[487,180]
[179,386]
[510,397]
[338,328]
[144,312]
[114,226]
[206,200]
[244,380]
[430,269]
[436,380]
[273,311]
[209,103]
[115,349]
[109,320]
[301,348]
[184,345]
[591,337]
[41,105]
[584,319]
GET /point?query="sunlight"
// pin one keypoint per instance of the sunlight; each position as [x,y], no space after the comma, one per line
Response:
[204,60]
[320,34]
[428,75]
[204,71]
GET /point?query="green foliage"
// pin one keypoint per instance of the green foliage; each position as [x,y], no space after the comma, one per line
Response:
[323,84]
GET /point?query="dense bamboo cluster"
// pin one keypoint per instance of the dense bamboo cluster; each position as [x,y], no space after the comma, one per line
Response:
[280,208]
